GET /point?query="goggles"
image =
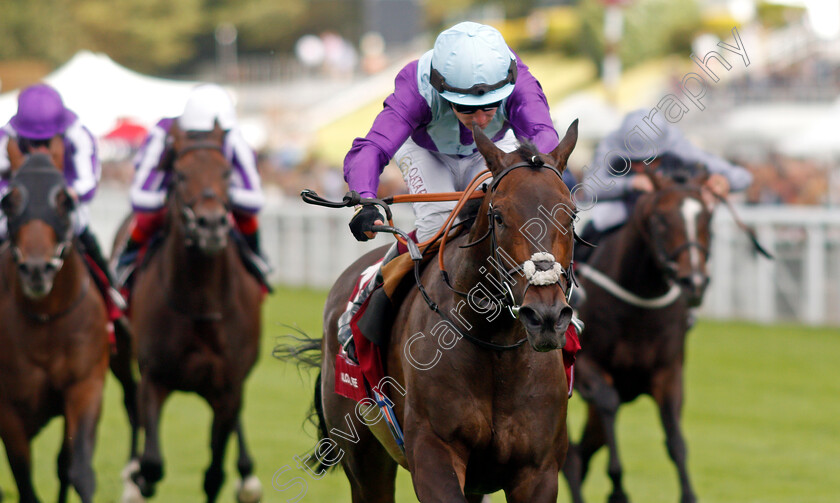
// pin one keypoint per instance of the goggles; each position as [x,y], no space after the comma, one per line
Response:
[471,109]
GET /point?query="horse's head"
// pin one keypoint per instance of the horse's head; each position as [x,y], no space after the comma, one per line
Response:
[198,192]
[38,209]
[677,225]
[529,215]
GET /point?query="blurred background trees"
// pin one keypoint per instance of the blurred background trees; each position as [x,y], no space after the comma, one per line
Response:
[166,36]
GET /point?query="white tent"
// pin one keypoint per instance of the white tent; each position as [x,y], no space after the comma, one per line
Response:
[101,92]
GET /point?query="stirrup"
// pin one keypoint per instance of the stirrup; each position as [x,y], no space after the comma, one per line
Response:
[117,298]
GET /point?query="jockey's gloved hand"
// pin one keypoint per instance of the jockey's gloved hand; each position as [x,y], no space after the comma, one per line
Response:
[362,221]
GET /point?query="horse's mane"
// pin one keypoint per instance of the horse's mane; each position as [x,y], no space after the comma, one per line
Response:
[528,151]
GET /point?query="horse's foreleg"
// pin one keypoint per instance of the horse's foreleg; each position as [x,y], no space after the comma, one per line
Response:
[18,452]
[83,404]
[63,465]
[152,397]
[249,489]
[579,455]
[668,393]
[121,368]
[225,419]
[604,398]
[437,470]
[534,486]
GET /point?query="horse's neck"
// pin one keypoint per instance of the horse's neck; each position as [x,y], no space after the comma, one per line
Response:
[188,270]
[635,268]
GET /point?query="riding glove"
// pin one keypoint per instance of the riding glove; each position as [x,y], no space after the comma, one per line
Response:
[363,220]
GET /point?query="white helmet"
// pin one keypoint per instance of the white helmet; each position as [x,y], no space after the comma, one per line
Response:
[207,105]
[472,65]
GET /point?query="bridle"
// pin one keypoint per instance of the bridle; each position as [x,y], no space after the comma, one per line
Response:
[540,270]
[656,238]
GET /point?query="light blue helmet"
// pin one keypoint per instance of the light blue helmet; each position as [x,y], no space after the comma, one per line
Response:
[472,65]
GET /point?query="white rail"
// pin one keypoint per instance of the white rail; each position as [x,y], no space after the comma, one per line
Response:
[310,246]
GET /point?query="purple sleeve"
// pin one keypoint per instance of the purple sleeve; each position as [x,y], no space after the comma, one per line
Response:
[404,111]
[528,112]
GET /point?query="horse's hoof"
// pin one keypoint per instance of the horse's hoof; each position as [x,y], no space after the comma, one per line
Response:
[132,467]
[618,498]
[249,491]
[131,493]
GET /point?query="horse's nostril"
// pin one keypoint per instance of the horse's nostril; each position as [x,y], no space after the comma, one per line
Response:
[530,317]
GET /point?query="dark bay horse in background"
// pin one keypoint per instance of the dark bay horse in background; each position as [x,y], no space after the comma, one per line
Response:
[196,314]
[53,334]
[640,284]
[488,413]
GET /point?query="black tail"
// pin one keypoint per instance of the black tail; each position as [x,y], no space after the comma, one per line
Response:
[306,353]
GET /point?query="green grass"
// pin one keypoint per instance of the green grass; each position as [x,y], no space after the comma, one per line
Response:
[761,421]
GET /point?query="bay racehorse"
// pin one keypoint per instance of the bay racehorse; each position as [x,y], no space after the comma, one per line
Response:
[54,335]
[640,285]
[196,314]
[488,413]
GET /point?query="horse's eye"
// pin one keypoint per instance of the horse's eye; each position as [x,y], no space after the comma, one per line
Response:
[227,174]
[497,217]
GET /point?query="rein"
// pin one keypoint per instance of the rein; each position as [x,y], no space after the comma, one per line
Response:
[625,295]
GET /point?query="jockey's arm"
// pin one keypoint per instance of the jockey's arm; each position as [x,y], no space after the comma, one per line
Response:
[147,190]
[404,111]
[85,169]
[246,192]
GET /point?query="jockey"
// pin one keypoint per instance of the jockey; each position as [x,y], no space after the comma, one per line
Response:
[470,77]
[207,106]
[43,124]
[639,139]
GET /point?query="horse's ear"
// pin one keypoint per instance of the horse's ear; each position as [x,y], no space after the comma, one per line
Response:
[564,148]
[701,175]
[217,135]
[491,153]
[659,181]
[56,149]
[178,135]
[64,201]
[16,156]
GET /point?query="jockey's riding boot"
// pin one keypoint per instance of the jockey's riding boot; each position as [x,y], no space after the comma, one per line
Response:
[254,259]
[92,250]
[369,280]
[127,261]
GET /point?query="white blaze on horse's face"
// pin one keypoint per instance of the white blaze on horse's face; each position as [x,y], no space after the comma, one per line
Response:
[691,209]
